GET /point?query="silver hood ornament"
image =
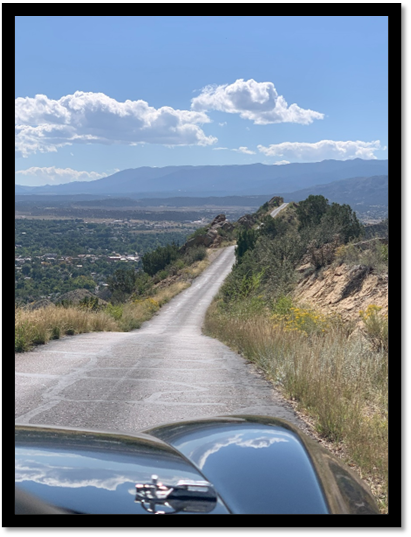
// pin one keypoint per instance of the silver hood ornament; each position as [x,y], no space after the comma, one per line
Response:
[188,495]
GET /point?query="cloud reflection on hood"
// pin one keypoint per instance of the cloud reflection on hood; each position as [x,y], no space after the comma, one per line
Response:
[69,477]
[241,440]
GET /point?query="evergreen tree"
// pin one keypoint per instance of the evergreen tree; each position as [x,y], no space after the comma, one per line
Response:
[246,241]
[311,210]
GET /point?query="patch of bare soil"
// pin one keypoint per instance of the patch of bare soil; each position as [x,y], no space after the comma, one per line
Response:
[344,290]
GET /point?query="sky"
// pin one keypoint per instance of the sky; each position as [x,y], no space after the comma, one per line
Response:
[95,95]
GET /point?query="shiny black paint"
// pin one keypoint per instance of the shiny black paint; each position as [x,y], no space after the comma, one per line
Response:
[342,491]
[255,468]
[256,464]
[95,473]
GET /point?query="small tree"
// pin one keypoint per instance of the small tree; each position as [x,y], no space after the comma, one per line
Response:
[246,241]
[122,283]
[341,220]
[25,269]
[311,211]
[157,260]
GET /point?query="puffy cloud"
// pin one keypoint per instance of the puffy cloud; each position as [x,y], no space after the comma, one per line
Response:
[60,175]
[244,150]
[256,101]
[43,124]
[243,440]
[324,149]
[281,162]
[68,476]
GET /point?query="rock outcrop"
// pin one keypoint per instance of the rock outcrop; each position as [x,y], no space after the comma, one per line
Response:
[210,238]
[276,201]
[344,290]
[248,220]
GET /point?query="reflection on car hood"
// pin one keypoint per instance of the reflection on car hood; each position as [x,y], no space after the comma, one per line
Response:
[255,465]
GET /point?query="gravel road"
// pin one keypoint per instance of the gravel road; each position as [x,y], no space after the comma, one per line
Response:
[164,372]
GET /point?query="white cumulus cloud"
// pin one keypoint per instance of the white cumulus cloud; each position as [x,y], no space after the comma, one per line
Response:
[59,175]
[244,150]
[281,162]
[324,149]
[256,101]
[43,124]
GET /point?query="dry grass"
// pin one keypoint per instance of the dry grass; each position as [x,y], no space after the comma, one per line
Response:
[40,326]
[196,268]
[336,378]
[167,293]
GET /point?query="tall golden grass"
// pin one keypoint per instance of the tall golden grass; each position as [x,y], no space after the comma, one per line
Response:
[337,377]
[35,327]
[39,326]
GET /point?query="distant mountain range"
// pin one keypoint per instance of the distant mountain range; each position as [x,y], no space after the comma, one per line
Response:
[363,194]
[356,191]
[230,180]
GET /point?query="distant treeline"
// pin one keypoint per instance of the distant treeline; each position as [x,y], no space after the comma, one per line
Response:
[93,212]
[37,276]
[108,201]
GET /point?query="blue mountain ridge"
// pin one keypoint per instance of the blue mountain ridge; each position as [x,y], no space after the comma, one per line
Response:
[250,179]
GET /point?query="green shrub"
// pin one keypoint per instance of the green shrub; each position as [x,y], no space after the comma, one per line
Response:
[195,254]
[23,337]
[282,306]
[157,260]
[246,241]
[311,210]
[162,275]
[373,255]
[123,280]
[115,311]
[376,326]
[197,232]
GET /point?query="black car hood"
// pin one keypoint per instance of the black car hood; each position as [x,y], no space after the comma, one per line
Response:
[255,464]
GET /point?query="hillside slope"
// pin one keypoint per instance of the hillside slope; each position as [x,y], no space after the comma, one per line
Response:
[277,308]
[345,290]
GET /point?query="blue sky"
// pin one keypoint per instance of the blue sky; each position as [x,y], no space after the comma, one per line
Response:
[99,94]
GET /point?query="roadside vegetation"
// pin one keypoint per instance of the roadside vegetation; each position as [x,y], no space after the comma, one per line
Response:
[36,327]
[335,372]
[135,296]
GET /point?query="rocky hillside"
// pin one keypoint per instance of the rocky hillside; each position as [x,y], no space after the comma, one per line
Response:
[344,290]
[210,236]
[317,263]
